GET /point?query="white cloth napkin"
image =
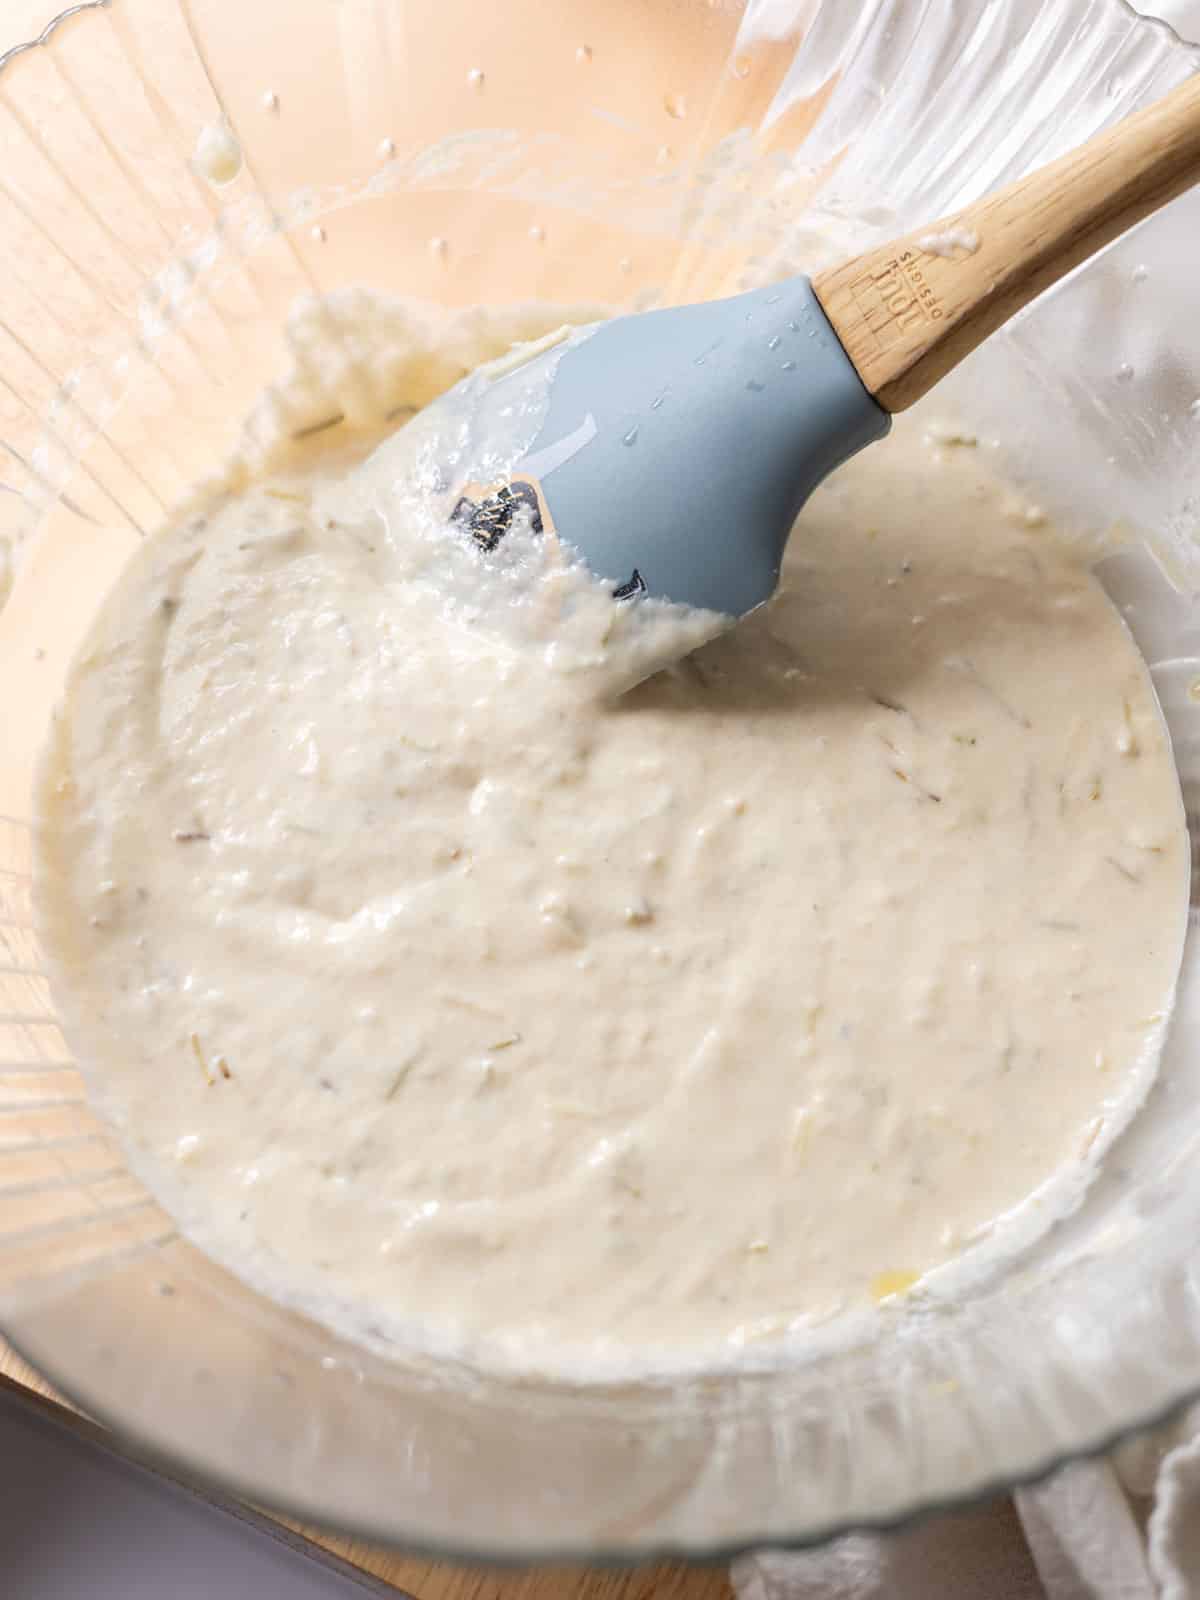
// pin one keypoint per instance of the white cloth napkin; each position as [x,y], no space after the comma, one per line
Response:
[1123,1528]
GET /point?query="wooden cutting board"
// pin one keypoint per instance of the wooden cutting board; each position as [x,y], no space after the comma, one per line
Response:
[428,1580]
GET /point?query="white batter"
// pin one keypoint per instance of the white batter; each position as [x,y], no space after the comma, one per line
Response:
[443,994]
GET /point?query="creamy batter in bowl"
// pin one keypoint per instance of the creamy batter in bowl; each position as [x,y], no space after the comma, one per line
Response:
[465,1001]
[1019,1370]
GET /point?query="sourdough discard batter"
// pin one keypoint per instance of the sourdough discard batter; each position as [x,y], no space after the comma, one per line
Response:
[445,993]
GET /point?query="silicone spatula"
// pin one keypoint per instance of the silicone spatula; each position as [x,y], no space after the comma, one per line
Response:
[678,446]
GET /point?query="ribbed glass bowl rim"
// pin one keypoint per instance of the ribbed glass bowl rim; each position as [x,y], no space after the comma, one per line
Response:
[698,1552]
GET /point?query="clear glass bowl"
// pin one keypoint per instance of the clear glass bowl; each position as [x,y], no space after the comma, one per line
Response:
[620,154]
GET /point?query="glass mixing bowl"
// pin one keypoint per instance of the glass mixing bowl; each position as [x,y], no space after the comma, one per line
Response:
[596,150]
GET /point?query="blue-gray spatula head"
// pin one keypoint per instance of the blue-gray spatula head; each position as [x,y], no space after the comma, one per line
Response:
[673,450]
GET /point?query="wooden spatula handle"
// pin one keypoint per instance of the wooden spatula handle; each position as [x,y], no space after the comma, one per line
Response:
[907,314]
